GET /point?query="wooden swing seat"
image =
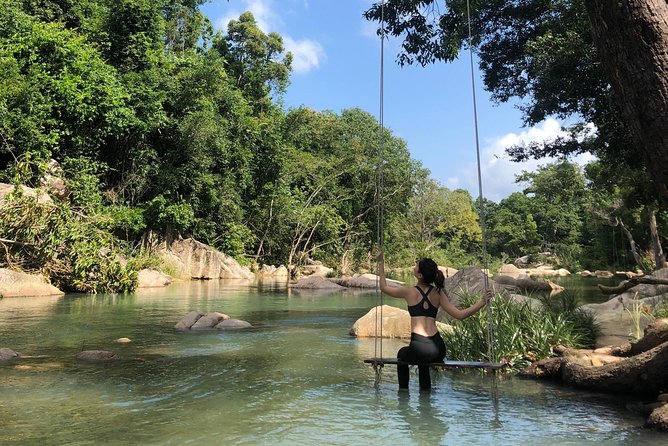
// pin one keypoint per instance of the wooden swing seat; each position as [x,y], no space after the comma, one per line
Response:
[446,364]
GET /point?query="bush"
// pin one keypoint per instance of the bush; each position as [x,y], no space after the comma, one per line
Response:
[69,247]
[520,333]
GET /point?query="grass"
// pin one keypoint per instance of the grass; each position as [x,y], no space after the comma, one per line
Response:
[521,334]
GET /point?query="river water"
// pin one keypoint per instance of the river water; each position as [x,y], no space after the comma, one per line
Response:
[296,378]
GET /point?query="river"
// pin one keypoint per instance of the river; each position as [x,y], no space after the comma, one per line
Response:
[296,378]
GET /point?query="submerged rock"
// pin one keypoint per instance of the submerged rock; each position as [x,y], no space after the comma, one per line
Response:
[233,324]
[7,354]
[97,355]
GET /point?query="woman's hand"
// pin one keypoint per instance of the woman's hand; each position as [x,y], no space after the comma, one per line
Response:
[489,294]
[379,255]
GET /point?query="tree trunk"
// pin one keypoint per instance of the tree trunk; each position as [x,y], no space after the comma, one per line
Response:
[628,284]
[657,250]
[632,40]
[632,244]
[645,374]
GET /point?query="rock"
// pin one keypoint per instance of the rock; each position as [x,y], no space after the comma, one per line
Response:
[272,271]
[316,269]
[615,319]
[233,324]
[208,321]
[369,281]
[658,419]
[41,196]
[527,284]
[188,320]
[468,280]
[19,284]
[316,283]
[447,271]
[97,355]
[7,354]
[150,278]
[511,270]
[52,180]
[196,260]
[602,274]
[396,323]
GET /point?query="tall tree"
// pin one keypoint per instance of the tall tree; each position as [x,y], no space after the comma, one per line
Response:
[548,53]
[632,39]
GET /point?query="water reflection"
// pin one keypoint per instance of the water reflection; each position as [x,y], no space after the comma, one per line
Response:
[425,421]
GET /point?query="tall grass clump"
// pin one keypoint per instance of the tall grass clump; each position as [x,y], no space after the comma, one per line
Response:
[523,331]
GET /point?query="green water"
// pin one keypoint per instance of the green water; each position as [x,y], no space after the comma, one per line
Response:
[296,378]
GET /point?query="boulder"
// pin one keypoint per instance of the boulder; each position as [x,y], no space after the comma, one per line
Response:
[317,283]
[468,280]
[41,196]
[273,271]
[369,281]
[19,284]
[233,324]
[150,278]
[188,320]
[7,354]
[196,260]
[316,269]
[208,321]
[525,283]
[97,355]
[511,270]
[658,419]
[447,271]
[396,323]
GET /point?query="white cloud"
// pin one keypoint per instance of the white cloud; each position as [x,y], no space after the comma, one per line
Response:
[498,171]
[307,54]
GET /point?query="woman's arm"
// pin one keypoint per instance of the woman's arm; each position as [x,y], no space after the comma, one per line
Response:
[398,292]
[460,314]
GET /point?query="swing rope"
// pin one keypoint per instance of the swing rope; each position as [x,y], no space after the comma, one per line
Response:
[378,359]
[378,338]
[481,202]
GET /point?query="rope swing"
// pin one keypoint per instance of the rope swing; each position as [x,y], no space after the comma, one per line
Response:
[378,360]
[378,339]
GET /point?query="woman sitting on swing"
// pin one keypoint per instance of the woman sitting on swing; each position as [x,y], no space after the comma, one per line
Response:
[423,301]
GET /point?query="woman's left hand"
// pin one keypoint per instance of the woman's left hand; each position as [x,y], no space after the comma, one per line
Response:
[379,255]
[489,294]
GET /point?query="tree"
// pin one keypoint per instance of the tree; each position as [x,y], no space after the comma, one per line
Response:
[253,59]
[632,40]
[548,54]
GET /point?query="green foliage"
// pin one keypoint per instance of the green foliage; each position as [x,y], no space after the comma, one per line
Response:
[253,60]
[521,332]
[174,218]
[69,247]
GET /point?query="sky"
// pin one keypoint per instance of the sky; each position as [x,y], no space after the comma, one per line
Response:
[337,66]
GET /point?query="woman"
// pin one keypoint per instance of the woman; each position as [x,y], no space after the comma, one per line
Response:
[423,301]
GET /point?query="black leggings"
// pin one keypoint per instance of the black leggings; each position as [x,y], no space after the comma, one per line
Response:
[421,351]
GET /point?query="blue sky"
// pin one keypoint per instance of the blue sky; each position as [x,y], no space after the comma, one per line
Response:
[337,66]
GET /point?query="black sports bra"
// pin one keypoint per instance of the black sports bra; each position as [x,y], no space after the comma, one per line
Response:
[419,310]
